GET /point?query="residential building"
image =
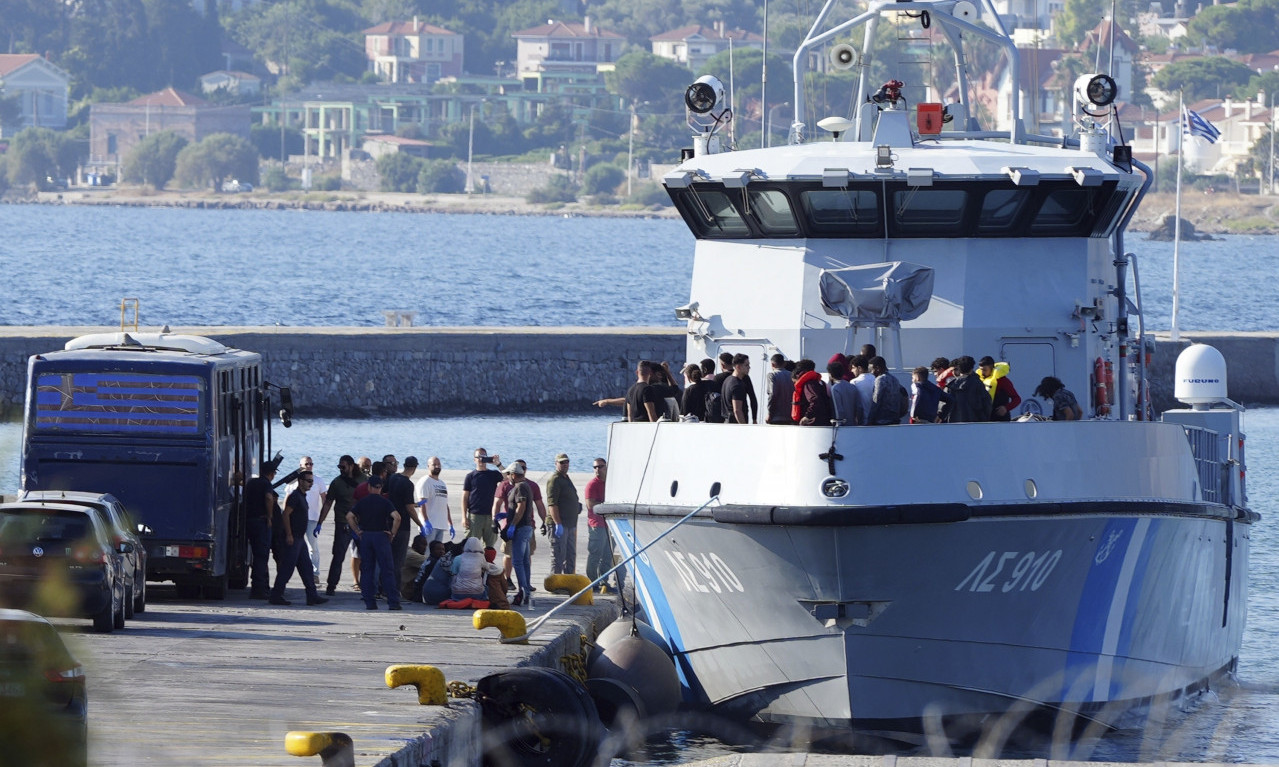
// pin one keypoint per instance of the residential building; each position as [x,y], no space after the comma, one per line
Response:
[562,49]
[413,51]
[40,88]
[1043,100]
[235,83]
[694,44]
[114,129]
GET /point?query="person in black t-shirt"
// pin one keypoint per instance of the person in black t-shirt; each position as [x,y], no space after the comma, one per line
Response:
[291,546]
[374,522]
[260,501]
[738,395]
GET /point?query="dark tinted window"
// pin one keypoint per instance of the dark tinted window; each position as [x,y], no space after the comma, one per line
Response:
[1000,209]
[918,209]
[714,215]
[841,212]
[772,213]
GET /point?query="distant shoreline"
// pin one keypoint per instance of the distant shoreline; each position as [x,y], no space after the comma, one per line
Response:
[1211,213]
[373,202]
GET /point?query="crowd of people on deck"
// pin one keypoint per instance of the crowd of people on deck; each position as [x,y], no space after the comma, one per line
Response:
[375,508]
[856,390]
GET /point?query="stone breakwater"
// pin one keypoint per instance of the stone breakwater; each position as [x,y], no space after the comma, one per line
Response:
[360,372]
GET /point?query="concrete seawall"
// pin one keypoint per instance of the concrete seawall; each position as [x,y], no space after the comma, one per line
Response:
[357,372]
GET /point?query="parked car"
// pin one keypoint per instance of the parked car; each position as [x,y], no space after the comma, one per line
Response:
[124,529]
[44,710]
[58,559]
[235,185]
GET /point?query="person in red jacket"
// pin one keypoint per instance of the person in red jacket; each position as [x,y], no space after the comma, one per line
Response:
[1004,398]
[811,405]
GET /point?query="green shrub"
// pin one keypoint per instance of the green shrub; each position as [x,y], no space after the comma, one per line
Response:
[602,179]
[440,177]
[399,172]
[276,180]
[650,193]
[329,182]
[560,188]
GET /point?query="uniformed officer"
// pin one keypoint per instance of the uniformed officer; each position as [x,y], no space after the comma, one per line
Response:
[374,521]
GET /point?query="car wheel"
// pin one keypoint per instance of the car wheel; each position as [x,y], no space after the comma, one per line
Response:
[118,612]
[104,620]
[140,596]
[129,602]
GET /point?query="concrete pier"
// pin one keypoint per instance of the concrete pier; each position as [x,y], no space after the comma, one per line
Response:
[365,371]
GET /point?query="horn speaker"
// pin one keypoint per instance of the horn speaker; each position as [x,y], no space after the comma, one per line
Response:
[843,56]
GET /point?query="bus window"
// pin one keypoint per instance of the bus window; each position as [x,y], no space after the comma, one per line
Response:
[118,403]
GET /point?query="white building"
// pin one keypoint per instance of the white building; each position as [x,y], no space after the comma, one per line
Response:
[40,87]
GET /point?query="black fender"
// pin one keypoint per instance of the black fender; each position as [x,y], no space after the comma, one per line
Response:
[537,716]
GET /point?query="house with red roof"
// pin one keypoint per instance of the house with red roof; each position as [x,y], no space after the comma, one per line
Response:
[561,49]
[40,88]
[114,129]
[413,51]
[694,44]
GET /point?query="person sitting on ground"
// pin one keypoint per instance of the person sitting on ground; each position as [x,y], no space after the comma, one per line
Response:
[889,403]
[925,397]
[414,558]
[1065,406]
[845,399]
[470,576]
[811,405]
[495,585]
[437,585]
[969,400]
[994,375]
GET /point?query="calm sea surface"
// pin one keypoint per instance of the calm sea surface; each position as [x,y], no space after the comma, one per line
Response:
[69,265]
[72,265]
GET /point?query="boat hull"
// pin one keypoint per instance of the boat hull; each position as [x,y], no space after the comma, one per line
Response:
[882,626]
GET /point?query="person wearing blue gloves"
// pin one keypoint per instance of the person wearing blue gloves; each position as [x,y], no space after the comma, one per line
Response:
[562,500]
[433,497]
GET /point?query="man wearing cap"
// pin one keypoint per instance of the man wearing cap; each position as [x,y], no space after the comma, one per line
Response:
[260,500]
[374,522]
[478,490]
[520,516]
[399,489]
[561,497]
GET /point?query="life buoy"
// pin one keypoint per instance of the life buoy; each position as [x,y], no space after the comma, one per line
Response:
[537,716]
[1100,394]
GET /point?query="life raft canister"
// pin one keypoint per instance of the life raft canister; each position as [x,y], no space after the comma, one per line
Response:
[1100,394]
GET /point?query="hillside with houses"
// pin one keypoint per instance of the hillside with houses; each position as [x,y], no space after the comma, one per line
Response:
[575,97]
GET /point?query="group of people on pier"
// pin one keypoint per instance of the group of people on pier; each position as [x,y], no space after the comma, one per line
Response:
[856,390]
[375,508]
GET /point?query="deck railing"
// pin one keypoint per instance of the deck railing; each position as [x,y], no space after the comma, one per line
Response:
[1205,446]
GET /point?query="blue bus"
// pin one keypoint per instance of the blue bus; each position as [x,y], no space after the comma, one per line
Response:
[169,424]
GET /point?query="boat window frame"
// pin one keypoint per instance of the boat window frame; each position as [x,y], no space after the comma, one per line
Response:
[1101,209]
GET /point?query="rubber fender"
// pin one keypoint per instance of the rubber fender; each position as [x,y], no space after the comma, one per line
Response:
[619,630]
[537,716]
[645,667]
[615,700]
[569,584]
[509,622]
[428,680]
[335,749]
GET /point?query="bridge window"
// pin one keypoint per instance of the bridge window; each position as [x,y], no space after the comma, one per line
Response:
[929,210]
[715,216]
[1000,209]
[842,212]
[772,212]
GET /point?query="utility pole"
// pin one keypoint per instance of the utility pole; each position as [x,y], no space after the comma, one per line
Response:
[470,149]
[1270,176]
[763,85]
[630,150]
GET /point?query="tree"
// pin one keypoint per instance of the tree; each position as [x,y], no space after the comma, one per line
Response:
[640,76]
[154,159]
[602,179]
[1076,19]
[39,154]
[267,140]
[305,37]
[398,172]
[1201,79]
[1248,26]
[217,158]
[559,188]
[747,79]
[440,177]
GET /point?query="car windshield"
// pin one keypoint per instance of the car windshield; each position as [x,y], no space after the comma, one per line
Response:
[20,526]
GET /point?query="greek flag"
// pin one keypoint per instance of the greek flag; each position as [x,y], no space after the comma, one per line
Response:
[1192,123]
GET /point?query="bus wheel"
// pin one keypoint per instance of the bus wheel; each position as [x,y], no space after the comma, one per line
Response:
[215,588]
[187,589]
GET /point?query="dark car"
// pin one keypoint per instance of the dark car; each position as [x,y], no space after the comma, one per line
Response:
[123,530]
[44,710]
[59,559]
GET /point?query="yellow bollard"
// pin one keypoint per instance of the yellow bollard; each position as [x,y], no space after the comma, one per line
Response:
[428,680]
[570,584]
[509,622]
[335,749]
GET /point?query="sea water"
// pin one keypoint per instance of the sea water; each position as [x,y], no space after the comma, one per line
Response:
[71,265]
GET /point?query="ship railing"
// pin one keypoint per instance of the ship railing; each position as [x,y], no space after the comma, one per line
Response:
[1205,446]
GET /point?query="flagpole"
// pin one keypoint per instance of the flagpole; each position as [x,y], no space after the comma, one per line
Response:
[1176,227]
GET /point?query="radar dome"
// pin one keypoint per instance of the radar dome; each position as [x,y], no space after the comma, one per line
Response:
[1200,377]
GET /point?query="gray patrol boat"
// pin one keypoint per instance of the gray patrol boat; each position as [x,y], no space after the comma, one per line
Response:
[879,578]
